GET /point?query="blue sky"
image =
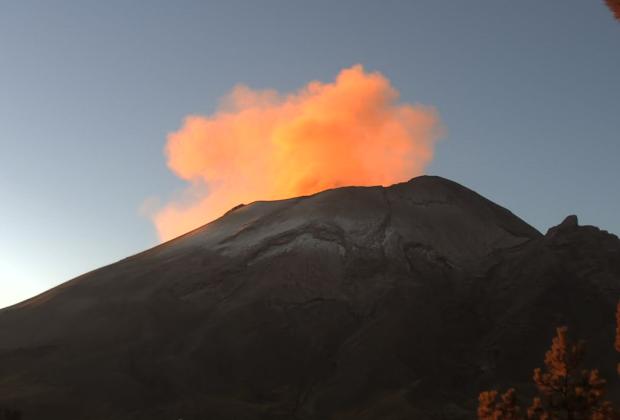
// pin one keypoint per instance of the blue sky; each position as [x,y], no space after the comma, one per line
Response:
[528,92]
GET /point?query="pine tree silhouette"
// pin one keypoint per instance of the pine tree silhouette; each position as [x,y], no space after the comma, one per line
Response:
[565,390]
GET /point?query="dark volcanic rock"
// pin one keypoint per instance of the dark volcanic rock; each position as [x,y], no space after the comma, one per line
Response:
[355,303]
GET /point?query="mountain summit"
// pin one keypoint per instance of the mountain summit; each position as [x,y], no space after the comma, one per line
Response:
[354,303]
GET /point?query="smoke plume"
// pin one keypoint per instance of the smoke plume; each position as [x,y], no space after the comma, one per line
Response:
[262,145]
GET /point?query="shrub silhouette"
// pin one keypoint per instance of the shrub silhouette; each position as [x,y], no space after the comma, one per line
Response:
[505,408]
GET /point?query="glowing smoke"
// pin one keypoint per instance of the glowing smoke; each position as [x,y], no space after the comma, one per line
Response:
[261,145]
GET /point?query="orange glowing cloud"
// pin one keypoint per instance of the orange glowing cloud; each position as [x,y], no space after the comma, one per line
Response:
[261,145]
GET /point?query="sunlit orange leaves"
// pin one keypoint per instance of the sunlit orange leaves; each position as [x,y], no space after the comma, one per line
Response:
[263,145]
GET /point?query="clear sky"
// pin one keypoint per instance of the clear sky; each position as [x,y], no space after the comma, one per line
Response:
[529,93]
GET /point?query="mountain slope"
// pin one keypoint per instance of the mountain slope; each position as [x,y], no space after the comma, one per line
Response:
[366,303]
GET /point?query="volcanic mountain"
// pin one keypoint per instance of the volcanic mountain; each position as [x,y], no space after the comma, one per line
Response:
[355,303]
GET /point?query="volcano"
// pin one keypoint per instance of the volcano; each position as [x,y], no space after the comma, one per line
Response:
[400,302]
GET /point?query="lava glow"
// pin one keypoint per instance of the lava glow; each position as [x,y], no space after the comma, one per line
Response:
[262,145]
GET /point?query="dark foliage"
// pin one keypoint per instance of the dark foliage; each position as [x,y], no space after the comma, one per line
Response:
[9,414]
[614,6]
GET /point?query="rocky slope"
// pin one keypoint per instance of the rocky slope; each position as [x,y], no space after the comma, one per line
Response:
[355,303]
